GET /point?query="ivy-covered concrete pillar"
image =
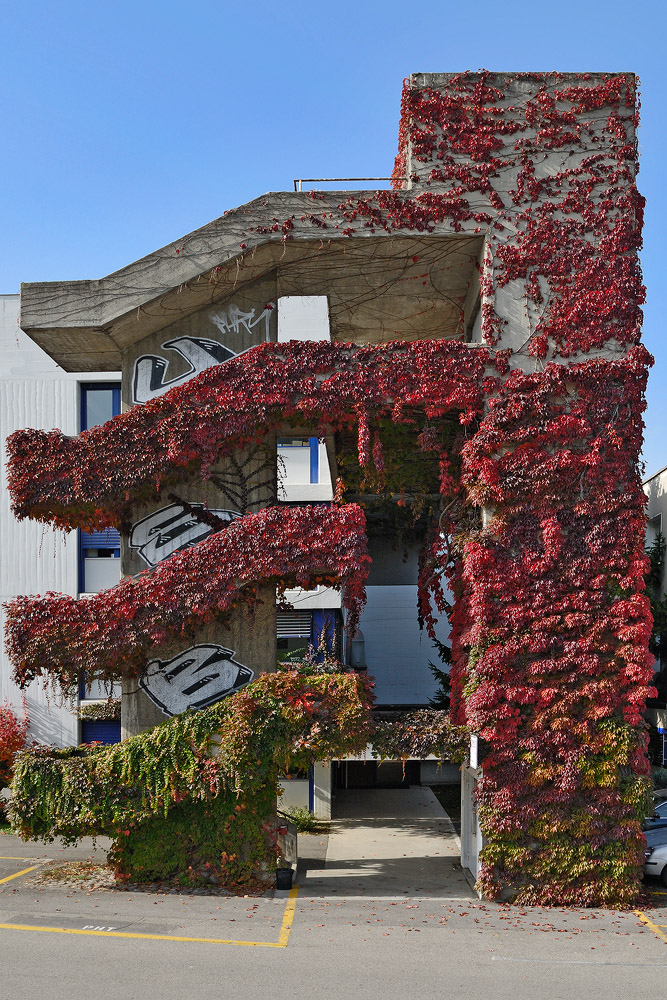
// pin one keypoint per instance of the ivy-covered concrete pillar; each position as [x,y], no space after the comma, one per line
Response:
[552,668]
[550,632]
[203,665]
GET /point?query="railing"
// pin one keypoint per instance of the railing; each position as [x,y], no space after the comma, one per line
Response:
[300,181]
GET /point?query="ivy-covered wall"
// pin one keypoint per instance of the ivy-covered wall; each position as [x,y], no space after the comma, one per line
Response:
[538,509]
[194,797]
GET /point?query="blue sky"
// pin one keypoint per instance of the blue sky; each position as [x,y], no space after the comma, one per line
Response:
[128,124]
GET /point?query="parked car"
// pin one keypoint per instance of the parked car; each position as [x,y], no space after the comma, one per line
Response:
[656,854]
[659,817]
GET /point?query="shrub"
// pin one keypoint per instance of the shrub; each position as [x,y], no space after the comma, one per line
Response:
[659,777]
[303,819]
[13,737]
[194,798]
[230,839]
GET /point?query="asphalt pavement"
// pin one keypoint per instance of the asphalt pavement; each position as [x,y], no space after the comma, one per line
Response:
[370,938]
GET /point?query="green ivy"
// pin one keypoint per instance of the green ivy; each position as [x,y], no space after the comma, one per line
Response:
[231,838]
[420,734]
[195,793]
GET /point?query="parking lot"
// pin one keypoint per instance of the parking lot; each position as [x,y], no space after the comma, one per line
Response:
[138,944]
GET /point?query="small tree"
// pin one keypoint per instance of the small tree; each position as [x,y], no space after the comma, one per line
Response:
[440,699]
[13,737]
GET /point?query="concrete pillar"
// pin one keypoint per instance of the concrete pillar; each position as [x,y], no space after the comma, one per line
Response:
[322,778]
[239,484]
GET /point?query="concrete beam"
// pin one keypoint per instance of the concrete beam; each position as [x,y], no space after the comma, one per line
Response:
[86,325]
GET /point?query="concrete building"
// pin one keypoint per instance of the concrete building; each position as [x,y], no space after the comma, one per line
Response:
[655,488]
[34,559]
[512,232]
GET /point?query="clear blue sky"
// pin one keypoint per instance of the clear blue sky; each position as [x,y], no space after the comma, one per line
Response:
[128,124]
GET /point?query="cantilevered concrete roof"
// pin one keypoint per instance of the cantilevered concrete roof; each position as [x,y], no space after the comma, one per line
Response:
[85,325]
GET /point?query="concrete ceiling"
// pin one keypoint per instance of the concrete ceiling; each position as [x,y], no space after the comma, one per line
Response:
[381,285]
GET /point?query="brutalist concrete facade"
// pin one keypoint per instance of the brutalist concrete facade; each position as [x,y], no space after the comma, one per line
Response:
[513,227]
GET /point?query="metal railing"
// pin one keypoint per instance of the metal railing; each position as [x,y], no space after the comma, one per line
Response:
[300,181]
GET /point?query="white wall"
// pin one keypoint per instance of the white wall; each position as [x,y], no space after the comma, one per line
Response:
[294,475]
[471,835]
[397,653]
[655,489]
[303,317]
[35,392]
[319,597]
[293,794]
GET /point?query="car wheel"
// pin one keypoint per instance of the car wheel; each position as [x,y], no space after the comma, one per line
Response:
[663,876]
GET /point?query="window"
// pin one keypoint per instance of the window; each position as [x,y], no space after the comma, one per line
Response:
[99,557]
[653,529]
[100,401]
[297,630]
[99,551]
[301,457]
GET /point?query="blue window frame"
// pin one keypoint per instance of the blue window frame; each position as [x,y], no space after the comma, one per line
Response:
[314,460]
[100,401]
[106,732]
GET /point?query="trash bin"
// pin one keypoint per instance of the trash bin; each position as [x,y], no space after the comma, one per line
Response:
[284,878]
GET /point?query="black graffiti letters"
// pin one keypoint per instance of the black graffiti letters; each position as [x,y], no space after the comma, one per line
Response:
[195,678]
[200,353]
[172,529]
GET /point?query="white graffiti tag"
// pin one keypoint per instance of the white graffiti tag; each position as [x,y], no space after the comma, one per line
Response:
[235,320]
[195,678]
[173,528]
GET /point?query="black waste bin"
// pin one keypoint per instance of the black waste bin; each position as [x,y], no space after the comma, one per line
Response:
[284,878]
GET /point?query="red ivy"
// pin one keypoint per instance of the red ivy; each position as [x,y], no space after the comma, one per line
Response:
[550,624]
[115,633]
[95,479]
[13,737]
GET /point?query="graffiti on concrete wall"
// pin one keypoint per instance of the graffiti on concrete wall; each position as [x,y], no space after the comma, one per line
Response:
[235,320]
[150,376]
[150,370]
[195,678]
[174,528]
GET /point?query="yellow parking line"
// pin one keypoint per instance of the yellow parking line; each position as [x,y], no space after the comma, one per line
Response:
[150,937]
[16,874]
[288,918]
[8,857]
[649,923]
[285,930]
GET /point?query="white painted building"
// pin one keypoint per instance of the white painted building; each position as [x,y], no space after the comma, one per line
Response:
[35,559]
[655,488]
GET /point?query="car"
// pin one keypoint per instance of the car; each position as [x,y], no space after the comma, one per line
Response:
[659,817]
[656,854]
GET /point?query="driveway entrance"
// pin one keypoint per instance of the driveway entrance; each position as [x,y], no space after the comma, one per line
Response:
[387,842]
